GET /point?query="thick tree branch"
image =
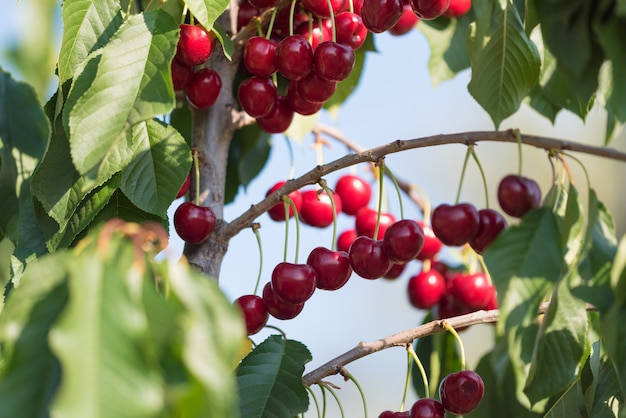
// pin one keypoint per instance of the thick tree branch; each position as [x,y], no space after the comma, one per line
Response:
[227,230]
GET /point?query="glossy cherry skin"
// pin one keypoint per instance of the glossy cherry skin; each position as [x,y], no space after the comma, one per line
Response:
[257,96]
[333,61]
[392,414]
[455,225]
[279,119]
[317,209]
[277,212]
[470,291]
[278,308]
[195,45]
[181,74]
[426,288]
[368,259]
[427,408]
[380,15]
[345,239]
[458,8]
[365,222]
[431,246]
[331,267]
[320,7]
[461,392]
[293,283]
[316,89]
[493,300]
[184,188]
[294,57]
[355,193]
[350,29]
[406,23]
[395,271]
[259,56]
[194,223]
[254,311]
[490,224]
[204,88]
[315,33]
[403,241]
[517,195]
[429,9]
[297,103]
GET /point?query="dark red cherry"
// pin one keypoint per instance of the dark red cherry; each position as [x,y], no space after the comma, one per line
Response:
[395,271]
[429,9]
[333,61]
[403,241]
[447,308]
[493,300]
[245,14]
[204,88]
[259,56]
[432,245]
[368,259]
[380,15]
[320,7]
[350,29]
[294,57]
[470,291]
[257,96]
[194,223]
[298,104]
[195,45]
[406,23]
[277,212]
[254,312]
[355,193]
[365,222]
[293,283]
[317,209]
[181,74]
[315,33]
[345,239]
[314,88]
[517,195]
[185,187]
[279,119]
[427,408]
[426,288]
[455,225]
[392,414]
[278,308]
[490,224]
[331,267]
[461,392]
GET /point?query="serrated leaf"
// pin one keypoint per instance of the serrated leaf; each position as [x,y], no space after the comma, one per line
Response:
[129,82]
[270,379]
[505,66]
[160,165]
[207,11]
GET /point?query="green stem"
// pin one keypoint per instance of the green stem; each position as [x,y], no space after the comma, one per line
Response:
[467,155]
[381,172]
[332,22]
[518,138]
[255,229]
[277,329]
[581,166]
[317,406]
[329,193]
[407,380]
[270,26]
[286,209]
[292,12]
[482,175]
[420,366]
[459,342]
[196,172]
[350,377]
[398,191]
[297,218]
[334,395]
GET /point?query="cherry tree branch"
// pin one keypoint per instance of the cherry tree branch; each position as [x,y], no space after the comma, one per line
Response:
[227,230]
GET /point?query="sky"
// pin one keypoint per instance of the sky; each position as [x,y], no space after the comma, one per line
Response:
[395,100]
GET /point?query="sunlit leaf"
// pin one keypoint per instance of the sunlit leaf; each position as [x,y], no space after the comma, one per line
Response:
[206,12]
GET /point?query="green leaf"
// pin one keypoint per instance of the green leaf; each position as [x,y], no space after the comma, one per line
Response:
[228,47]
[270,379]
[505,66]
[611,35]
[301,126]
[160,165]
[573,227]
[127,83]
[207,11]
[247,155]
[87,26]
[568,404]
[120,206]
[603,395]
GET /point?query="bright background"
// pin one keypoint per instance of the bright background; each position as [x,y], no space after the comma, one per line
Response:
[395,100]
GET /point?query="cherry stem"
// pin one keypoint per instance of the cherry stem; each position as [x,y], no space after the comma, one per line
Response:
[332,21]
[467,155]
[381,171]
[255,229]
[407,380]
[580,163]
[184,14]
[317,406]
[293,207]
[567,168]
[518,139]
[459,342]
[196,172]
[482,175]
[329,193]
[282,333]
[483,266]
[420,366]
[350,377]
[334,395]
[398,191]
[292,12]
[270,26]
[286,209]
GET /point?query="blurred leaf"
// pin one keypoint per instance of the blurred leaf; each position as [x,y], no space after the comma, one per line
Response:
[206,11]
[603,394]
[573,228]
[180,119]
[119,206]
[568,404]
[228,48]
[611,35]
[270,379]
[301,126]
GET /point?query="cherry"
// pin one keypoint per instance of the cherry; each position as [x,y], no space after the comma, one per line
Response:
[455,225]
[259,56]
[263,4]
[298,104]
[281,23]
[429,9]
[470,291]
[517,195]
[331,267]
[333,61]
[345,239]
[194,223]
[392,414]
[293,283]
[278,308]
[365,222]
[245,14]
[277,212]
[257,96]
[181,74]
[380,15]
[461,392]
[185,187]
[254,312]
[204,88]
[355,193]
[427,408]
[350,29]
[458,8]
[493,300]
[316,208]
[316,89]
[406,23]
[403,240]
[195,45]
[320,7]
[490,224]
[447,308]
[368,259]
[294,57]
[315,33]
[395,271]
[279,118]
[432,245]
[426,289]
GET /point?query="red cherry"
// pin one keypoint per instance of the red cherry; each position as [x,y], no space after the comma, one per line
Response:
[403,241]
[204,88]
[493,300]
[298,104]
[181,74]
[406,23]
[333,61]
[314,88]
[316,208]
[259,56]
[455,225]
[254,312]
[365,222]
[517,195]
[185,187]
[427,408]
[320,7]
[490,224]
[245,14]
[395,271]
[194,223]
[278,308]
[315,33]
[263,4]
[294,57]
[426,289]
[461,392]
[257,96]
[293,283]
[279,119]
[470,291]
[380,15]
[447,308]
[429,9]
[350,29]
[195,45]
[277,212]
[392,414]
[345,239]
[355,193]
[368,259]
[432,245]
[331,267]
[458,8]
